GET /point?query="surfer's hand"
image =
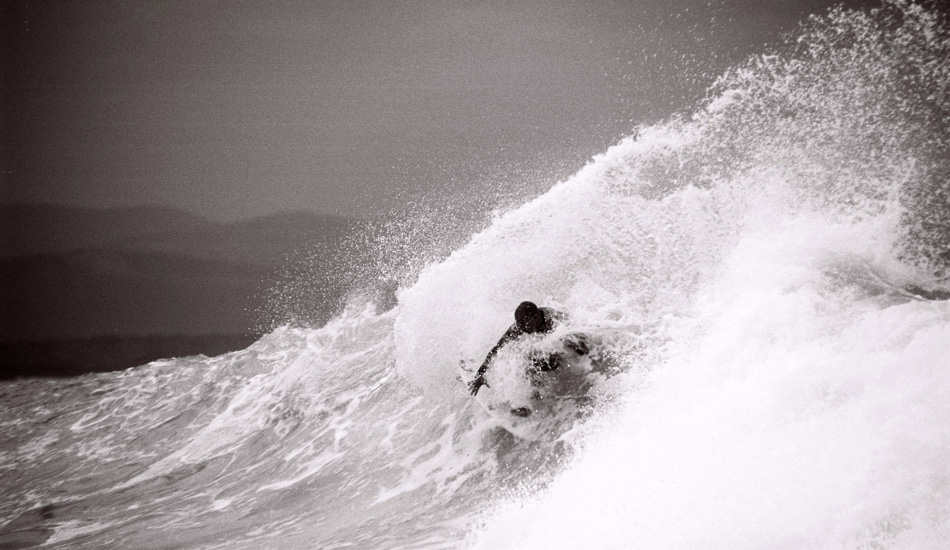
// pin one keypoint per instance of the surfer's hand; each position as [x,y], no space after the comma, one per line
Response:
[476,383]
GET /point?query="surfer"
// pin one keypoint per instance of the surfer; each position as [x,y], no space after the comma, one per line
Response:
[529,319]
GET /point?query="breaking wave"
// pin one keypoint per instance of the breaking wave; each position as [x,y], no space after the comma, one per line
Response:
[767,276]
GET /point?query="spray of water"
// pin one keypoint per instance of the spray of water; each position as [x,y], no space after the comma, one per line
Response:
[767,276]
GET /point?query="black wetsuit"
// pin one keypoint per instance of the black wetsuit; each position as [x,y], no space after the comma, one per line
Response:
[551,318]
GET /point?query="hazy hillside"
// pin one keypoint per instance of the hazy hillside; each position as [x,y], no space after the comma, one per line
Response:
[44,229]
[95,292]
[266,241]
[140,283]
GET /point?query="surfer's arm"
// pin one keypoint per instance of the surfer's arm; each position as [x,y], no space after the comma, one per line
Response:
[479,379]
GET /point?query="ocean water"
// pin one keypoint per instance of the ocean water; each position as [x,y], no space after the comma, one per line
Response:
[764,285]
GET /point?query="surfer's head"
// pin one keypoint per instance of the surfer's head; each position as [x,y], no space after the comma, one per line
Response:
[529,317]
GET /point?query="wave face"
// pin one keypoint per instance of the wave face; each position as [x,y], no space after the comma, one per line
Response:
[768,276]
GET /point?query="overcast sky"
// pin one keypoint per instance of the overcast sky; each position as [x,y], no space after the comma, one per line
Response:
[233,109]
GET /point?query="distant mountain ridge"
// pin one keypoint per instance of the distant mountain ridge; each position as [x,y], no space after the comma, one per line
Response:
[29,229]
[46,229]
[147,274]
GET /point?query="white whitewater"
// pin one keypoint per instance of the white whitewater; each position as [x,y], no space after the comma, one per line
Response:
[769,275]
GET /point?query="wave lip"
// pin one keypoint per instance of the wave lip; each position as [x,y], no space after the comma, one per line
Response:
[769,275]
